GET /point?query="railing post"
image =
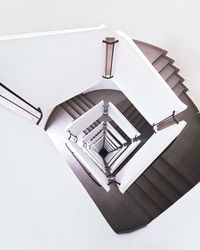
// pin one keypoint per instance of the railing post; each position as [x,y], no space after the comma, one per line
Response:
[110,44]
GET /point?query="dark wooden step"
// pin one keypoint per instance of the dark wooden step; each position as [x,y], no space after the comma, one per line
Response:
[161,62]
[179,89]
[162,184]
[129,110]
[76,107]
[167,71]
[88,102]
[144,200]
[170,173]
[81,103]
[133,115]
[70,110]
[173,80]
[153,192]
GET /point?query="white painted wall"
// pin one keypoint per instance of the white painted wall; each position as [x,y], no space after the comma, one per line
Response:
[125,154]
[51,67]
[121,121]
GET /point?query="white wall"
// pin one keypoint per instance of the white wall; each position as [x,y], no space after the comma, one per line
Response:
[51,67]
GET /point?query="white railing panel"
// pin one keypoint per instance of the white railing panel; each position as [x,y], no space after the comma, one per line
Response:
[98,145]
[142,84]
[121,121]
[125,154]
[115,133]
[93,132]
[117,155]
[147,154]
[96,139]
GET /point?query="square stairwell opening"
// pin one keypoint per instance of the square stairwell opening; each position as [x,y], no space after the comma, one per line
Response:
[103,153]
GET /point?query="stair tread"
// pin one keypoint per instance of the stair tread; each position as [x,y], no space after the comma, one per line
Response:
[172,175]
[86,100]
[144,200]
[167,72]
[161,62]
[173,80]
[140,124]
[133,115]
[152,53]
[178,89]
[81,103]
[128,112]
[163,185]
[161,200]
[76,107]
[185,171]
[70,110]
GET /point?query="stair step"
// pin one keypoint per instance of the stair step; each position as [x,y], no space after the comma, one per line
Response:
[141,124]
[153,192]
[81,103]
[186,171]
[144,200]
[170,173]
[70,110]
[76,107]
[135,118]
[179,89]
[167,72]
[86,101]
[151,52]
[133,115]
[173,80]
[130,110]
[161,62]
[189,173]
[162,184]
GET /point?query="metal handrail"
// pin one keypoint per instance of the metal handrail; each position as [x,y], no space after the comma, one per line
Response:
[20,98]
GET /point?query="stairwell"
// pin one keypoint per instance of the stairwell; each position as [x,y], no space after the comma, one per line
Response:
[170,176]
